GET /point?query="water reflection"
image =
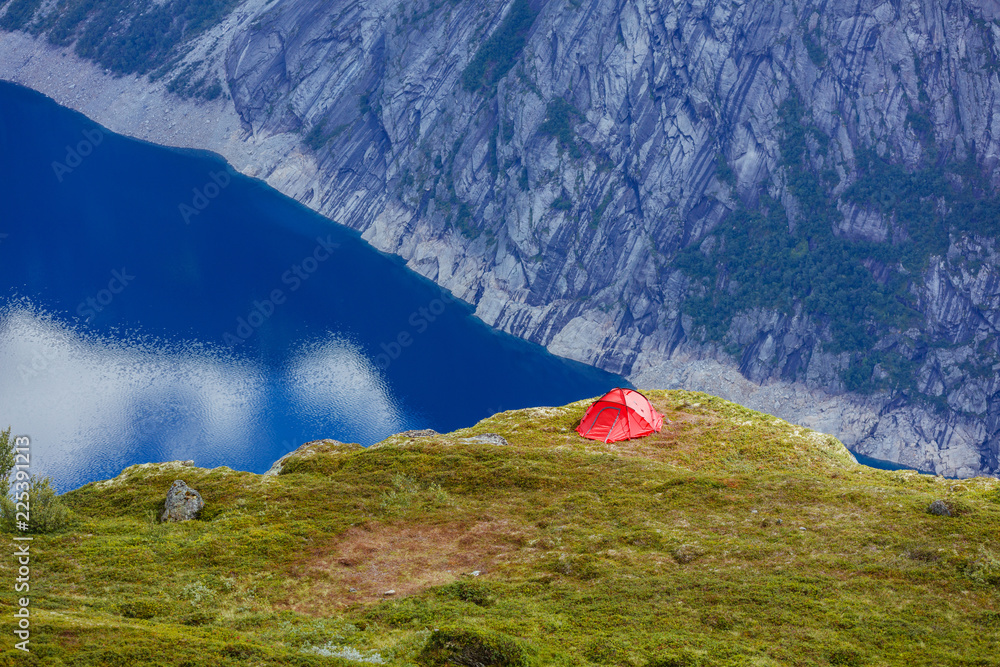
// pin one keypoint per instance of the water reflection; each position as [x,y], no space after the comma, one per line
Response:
[332,378]
[79,391]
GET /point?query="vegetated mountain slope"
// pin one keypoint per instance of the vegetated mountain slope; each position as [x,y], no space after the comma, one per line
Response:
[730,538]
[803,192]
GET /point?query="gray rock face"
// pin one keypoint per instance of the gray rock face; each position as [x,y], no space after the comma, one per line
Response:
[567,236]
[183,503]
[569,244]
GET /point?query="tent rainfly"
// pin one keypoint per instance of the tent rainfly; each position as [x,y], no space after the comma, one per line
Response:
[621,414]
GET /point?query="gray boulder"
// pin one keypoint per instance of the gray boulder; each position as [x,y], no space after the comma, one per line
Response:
[939,508]
[183,503]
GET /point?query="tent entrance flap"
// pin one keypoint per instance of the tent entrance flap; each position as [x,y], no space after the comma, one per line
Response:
[601,423]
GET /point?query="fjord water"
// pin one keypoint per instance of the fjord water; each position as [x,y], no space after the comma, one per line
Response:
[133,329]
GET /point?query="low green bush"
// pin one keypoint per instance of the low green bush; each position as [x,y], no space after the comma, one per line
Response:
[456,646]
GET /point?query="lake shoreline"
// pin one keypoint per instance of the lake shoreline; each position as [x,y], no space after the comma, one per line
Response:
[133,106]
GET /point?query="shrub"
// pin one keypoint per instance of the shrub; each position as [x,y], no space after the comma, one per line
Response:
[723,171]
[595,219]
[678,659]
[686,553]
[583,567]
[6,454]
[562,202]
[985,568]
[846,656]
[605,651]
[452,646]
[498,54]
[143,608]
[559,119]
[926,553]
[645,538]
[815,51]
[33,496]
[47,511]
[477,592]
[197,619]
[241,651]
[19,14]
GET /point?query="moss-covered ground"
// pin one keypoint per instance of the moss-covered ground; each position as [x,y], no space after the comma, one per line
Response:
[731,538]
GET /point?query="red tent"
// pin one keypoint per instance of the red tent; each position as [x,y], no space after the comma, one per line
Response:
[621,414]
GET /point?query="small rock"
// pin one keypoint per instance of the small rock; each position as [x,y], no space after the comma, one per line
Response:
[309,449]
[939,508]
[475,573]
[183,503]
[802,527]
[488,438]
[390,592]
[420,433]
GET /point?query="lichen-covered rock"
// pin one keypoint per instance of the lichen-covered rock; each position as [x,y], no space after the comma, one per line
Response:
[183,503]
[489,438]
[939,508]
[420,433]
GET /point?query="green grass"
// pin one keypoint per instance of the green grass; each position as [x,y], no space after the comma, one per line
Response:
[683,548]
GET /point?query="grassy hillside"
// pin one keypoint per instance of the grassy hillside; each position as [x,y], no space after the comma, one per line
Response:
[732,538]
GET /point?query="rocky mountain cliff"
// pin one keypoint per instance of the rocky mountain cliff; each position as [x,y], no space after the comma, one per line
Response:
[789,204]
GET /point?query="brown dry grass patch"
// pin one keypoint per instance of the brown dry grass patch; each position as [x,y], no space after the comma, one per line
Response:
[403,557]
[677,443]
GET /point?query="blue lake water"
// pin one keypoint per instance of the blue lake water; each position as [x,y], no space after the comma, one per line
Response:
[155,307]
